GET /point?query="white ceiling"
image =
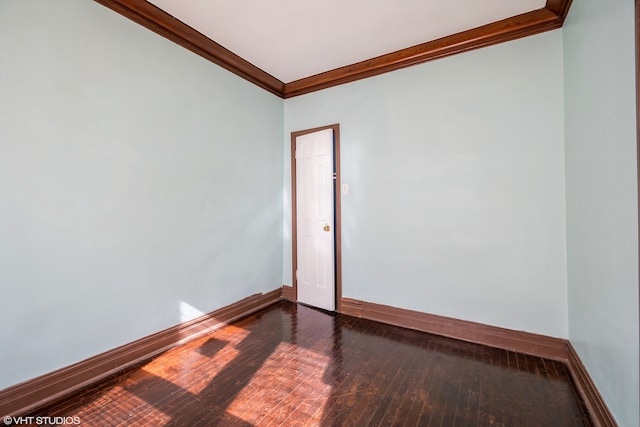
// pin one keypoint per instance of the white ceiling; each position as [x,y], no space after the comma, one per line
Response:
[293,39]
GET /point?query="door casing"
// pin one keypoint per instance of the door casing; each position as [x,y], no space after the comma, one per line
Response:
[337,217]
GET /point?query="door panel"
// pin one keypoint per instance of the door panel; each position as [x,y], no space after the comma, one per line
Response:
[315,219]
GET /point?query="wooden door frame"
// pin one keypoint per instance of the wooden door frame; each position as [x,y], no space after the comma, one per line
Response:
[637,54]
[337,221]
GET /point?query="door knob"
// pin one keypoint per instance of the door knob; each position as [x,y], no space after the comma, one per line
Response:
[327,228]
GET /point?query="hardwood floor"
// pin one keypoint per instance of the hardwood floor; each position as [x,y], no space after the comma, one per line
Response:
[294,365]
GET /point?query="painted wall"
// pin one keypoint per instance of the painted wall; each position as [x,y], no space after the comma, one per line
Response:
[455,169]
[602,213]
[139,185]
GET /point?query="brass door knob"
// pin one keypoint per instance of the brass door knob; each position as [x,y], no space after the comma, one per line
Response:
[327,228]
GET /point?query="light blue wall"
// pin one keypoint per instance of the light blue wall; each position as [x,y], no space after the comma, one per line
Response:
[602,213]
[456,176]
[137,179]
[134,177]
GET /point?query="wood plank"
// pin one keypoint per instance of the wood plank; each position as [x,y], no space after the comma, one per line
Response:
[39,391]
[330,369]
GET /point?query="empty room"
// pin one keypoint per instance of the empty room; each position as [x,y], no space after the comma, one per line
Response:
[341,213]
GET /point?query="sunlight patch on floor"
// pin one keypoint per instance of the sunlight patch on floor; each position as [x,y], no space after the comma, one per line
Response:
[193,365]
[280,401]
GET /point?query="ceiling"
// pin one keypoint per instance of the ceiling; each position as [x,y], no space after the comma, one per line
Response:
[293,39]
[291,47]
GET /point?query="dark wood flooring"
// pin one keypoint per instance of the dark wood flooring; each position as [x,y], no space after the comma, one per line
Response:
[292,365]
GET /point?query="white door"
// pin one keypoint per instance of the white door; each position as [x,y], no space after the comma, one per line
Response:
[315,219]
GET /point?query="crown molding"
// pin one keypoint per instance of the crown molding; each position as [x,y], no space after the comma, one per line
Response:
[160,22]
[559,8]
[550,17]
